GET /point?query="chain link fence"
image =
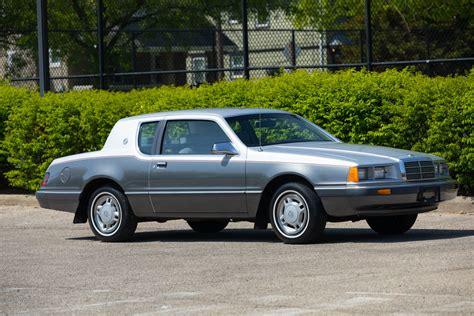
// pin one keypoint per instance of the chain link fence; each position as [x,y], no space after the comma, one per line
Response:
[153,43]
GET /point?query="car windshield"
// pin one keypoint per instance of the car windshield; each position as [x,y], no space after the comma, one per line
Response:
[275,128]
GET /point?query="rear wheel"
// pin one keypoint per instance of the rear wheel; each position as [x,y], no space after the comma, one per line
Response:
[393,225]
[296,214]
[208,226]
[110,216]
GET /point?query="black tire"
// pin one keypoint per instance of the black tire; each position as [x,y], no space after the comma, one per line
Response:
[118,215]
[210,226]
[301,218]
[392,225]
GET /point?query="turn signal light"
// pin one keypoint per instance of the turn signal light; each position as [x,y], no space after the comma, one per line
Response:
[384,191]
[353,175]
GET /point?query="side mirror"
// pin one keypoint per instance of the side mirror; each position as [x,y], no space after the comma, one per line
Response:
[225,148]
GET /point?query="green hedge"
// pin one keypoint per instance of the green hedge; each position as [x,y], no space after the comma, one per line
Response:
[399,109]
[9,97]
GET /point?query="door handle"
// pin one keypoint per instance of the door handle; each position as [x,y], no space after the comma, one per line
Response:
[160,165]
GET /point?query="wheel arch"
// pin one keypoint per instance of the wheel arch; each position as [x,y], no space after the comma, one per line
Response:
[80,216]
[262,217]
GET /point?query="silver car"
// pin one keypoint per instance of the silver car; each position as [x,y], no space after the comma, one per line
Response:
[213,166]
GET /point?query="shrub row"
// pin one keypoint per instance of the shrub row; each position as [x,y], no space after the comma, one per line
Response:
[399,109]
[9,97]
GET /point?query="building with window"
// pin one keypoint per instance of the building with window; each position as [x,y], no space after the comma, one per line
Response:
[274,43]
[17,62]
[185,56]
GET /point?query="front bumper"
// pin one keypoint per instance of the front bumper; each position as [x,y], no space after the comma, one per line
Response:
[66,200]
[362,200]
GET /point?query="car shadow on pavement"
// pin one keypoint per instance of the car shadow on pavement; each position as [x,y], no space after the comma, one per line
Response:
[227,235]
[331,235]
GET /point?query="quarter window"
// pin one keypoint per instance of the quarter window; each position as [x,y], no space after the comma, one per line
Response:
[146,136]
[191,137]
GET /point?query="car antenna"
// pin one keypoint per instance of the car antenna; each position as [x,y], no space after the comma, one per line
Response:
[260,134]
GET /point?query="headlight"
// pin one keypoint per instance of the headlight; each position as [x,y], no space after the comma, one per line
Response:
[441,169]
[363,173]
[379,172]
[357,174]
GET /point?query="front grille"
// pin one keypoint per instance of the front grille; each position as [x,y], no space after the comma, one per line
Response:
[419,170]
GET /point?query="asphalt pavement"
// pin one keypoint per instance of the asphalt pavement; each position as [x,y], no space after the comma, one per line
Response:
[50,266]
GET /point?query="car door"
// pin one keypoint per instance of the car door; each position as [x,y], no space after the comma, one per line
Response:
[187,180]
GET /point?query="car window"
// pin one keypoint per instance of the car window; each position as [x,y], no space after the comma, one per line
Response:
[191,137]
[146,136]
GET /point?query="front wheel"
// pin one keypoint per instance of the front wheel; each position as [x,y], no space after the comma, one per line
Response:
[110,216]
[296,214]
[392,225]
[208,226]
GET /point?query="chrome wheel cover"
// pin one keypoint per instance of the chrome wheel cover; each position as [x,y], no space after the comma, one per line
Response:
[291,214]
[106,213]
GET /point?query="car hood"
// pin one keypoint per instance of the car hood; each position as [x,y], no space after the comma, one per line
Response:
[359,154]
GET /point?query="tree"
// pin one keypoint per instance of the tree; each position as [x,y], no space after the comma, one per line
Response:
[73,23]
[402,29]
